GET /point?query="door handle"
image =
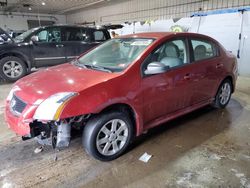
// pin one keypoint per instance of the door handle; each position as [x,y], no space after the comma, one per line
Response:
[59,45]
[219,65]
[187,76]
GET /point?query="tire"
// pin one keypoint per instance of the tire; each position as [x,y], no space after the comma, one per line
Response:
[12,68]
[99,129]
[223,95]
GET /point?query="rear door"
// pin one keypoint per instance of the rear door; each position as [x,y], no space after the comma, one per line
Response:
[207,67]
[49,49]
[75,41]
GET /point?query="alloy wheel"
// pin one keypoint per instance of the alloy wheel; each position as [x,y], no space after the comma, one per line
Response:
[225,93]
[112,137]
[12,69]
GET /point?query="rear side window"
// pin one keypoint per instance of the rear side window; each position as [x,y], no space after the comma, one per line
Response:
[74,34]
[203,49]
[99,36]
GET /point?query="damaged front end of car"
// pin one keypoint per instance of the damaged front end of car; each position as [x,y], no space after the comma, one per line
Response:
[42,119]
[55,133]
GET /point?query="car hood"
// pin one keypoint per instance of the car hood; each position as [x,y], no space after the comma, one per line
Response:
[62,78]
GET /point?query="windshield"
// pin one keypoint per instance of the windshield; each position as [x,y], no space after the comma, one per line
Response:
[116,54]
[25,34]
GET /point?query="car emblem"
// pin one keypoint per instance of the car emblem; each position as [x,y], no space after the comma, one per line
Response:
[13,103]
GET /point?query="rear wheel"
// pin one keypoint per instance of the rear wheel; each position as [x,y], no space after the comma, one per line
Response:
[106,136]
[223,95]
[12,68]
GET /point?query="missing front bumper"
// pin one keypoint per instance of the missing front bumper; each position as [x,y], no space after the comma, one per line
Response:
[57,134]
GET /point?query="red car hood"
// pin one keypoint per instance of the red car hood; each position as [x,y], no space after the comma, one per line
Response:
[62,78]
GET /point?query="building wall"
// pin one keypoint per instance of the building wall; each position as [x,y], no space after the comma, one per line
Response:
[140,10]
[167,13]
[18,21]
[224,27]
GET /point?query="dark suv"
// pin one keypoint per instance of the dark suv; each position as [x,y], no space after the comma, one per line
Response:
[46,46]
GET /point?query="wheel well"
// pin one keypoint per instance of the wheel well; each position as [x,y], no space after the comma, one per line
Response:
[123,108]
[16,55]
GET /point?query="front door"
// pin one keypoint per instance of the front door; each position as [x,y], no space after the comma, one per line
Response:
[48,50]
[167,92]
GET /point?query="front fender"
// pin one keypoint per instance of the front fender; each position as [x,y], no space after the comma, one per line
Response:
[21,55]
[95,99]
[91,106]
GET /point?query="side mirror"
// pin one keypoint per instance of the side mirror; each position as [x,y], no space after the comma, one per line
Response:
[156,68]
[34,39]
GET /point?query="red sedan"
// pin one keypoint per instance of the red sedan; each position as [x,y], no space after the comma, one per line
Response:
[121,89]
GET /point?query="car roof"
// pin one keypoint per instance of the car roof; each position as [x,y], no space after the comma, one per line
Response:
[159,35]
[73,25]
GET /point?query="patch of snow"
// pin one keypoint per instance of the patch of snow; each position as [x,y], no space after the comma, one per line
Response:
[239,175]
[243,180]
[184,180]
[6,184]
[215,157]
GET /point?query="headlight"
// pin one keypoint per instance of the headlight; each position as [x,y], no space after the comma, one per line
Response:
[51,108]
[12,91]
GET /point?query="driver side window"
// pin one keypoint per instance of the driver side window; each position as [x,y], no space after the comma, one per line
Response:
[49,35]
[169,55]
[172,53]
[43,36]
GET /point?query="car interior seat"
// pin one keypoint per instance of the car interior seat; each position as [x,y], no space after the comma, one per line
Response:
[200,52]
[171,56]
[171,50]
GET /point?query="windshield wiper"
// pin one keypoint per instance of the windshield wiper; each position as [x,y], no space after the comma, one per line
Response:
[89,66]
[77,63]
[98,68]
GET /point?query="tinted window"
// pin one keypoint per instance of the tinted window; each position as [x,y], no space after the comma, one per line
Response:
[99,36]
[49,35]
[203,50]
[172,53]
[74,34]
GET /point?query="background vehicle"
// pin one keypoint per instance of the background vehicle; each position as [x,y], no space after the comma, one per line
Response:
[121,89]
[46,46]
[4,37]
[15,33]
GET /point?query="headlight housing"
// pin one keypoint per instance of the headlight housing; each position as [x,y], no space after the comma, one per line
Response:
[51,108]
[11,93]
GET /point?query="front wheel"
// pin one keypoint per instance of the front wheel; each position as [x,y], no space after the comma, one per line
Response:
[106,136]
[12,68]
[223,95]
